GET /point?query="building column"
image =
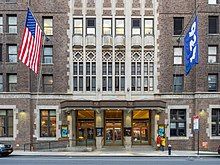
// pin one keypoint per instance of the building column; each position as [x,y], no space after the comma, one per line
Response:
[73,128]
[99,128]
[127,128]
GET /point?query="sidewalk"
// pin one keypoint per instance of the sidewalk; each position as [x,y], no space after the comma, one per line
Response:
[136,152]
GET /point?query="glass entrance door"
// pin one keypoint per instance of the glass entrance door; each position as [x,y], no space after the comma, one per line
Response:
[140,133]
[85,127]
[113,133]
[85,133]
[113,127]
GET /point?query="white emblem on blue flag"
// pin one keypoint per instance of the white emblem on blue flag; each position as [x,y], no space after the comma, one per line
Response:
[191,47]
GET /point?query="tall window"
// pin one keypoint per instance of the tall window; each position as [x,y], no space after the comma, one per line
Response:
[107,27]
[178,55]
[78,26]
[119,27]
[178,25]
[107,76]
[136,26]
[10,1]
[6,123]
[1,24]
[1,83]
[48,55]
[48,25]
[215,122]
[12,23]
[212,2]
[212,82]
[48,83]
[136,76]
[90,76]
[213,24]
[212,54]
[148,26]
[0,52]
[119,76]
[12,82]
[47,123]
[148,76]
[12,53]
[178,83]
[78,76]
[90,26]
[177,122]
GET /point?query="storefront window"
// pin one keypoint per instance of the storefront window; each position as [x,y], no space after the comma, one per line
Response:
[6,123]
[48,123]
[177,122]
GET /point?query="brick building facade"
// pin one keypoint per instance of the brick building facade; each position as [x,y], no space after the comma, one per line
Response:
[113,72]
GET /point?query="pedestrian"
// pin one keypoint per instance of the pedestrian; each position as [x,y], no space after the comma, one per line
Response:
[163,143]
[158,141]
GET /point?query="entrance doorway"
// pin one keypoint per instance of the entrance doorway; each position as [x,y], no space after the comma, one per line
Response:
[141,127]
[85,127]
[113,133]
[113,127]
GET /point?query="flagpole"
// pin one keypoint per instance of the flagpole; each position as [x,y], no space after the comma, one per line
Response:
[195,105]
[185,28]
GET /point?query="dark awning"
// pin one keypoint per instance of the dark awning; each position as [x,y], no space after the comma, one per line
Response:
[114,104]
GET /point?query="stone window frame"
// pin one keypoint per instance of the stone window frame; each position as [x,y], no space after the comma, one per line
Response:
[37,122]
[15,122]
[177,122]
[209,121]
[188,122]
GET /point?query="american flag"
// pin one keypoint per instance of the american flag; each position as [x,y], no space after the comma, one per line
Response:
[30,48]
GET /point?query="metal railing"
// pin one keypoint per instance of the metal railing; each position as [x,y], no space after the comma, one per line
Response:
[47,145]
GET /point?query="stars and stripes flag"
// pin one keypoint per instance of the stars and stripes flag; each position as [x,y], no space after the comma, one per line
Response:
[31,44]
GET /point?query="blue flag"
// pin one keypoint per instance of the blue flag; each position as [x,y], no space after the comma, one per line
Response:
[191,47]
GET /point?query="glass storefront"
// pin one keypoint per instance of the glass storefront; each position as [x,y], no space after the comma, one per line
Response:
[140,127]
[113,127]
[85,127]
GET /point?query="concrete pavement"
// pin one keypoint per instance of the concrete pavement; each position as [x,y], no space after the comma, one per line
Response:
[105,152]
